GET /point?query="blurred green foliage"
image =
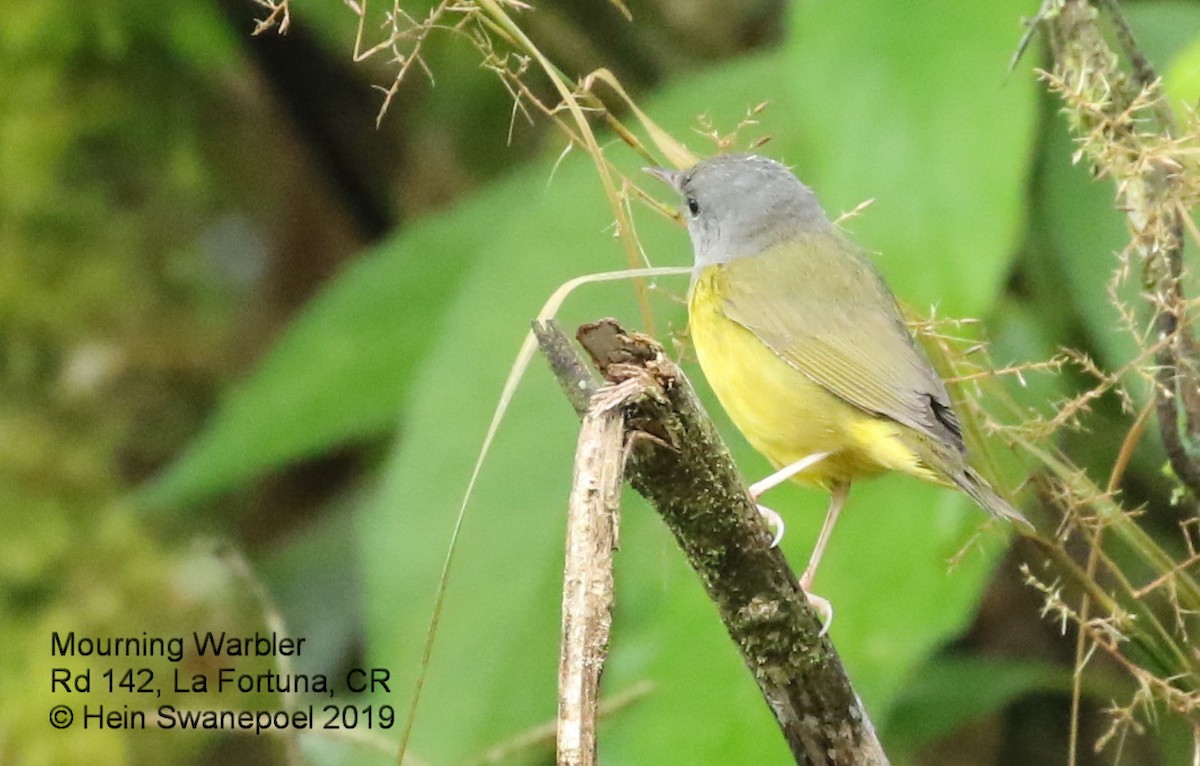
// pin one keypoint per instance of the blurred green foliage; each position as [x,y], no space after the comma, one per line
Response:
[508,565]
[108,193]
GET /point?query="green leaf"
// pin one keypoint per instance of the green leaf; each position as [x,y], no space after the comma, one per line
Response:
[1164,29]
[342,369]
[864,111]
[494,667]
[950,692]
[1078,233]
[1021,334]
[1182,79]
[1078,213]
[1085,232]
[944,147]
[914,107]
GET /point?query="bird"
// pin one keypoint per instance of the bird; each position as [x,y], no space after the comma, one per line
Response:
[806,347]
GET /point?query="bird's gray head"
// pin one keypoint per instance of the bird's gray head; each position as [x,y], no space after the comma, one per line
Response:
[738,205]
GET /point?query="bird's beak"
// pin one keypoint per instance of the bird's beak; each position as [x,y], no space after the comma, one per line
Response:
[666,175]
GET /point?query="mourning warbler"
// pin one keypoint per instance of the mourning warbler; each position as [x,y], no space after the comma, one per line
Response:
[805,346]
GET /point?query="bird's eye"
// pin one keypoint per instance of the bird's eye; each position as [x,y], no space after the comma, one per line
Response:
[693,206]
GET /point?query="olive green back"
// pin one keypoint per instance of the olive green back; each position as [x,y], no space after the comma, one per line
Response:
[819,304]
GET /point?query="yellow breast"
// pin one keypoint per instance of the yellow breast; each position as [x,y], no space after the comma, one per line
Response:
[782,413]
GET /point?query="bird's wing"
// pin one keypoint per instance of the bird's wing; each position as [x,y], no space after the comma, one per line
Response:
[820,305]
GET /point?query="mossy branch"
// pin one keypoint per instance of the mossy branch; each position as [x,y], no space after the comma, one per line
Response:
[677,461]
[1126,131]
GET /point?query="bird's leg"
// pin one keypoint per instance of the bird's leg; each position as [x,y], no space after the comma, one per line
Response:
[821,605]
[759,488]
[840,490]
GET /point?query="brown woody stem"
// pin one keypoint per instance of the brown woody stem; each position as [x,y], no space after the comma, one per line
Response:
[677,461]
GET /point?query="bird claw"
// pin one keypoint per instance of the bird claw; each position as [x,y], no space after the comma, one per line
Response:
[775,522]
[820,605]
[824,611]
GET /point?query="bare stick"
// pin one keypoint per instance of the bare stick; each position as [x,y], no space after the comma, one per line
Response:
[677,461]
[588,576]
[577,381]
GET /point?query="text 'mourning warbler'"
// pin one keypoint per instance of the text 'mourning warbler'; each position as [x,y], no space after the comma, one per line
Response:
[806,347]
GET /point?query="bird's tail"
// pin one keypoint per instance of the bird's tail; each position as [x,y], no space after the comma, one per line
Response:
[969,481]
[948,465]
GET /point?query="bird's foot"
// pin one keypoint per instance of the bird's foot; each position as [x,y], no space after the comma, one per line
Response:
[775,522]
[824,611]
[820,605]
